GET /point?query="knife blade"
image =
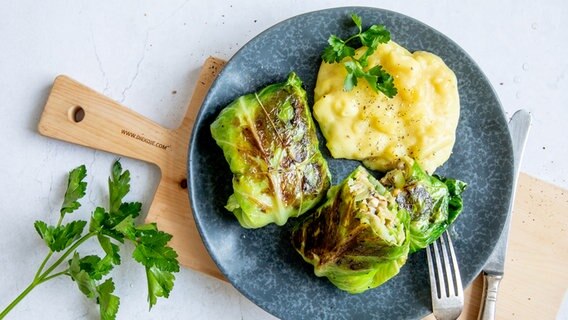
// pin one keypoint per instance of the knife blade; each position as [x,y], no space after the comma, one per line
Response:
[493,270]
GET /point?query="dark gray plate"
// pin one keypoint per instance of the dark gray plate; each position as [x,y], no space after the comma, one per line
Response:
[261,263]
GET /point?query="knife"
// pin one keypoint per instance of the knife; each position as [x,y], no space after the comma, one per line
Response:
[494,268]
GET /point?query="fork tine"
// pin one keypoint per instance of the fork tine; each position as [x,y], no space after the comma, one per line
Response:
[433,282]
[439,270]
[457,276]
[449,275]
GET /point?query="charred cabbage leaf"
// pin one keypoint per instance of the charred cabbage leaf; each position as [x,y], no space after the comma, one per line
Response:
[358,238]
[433,202]
[269,140]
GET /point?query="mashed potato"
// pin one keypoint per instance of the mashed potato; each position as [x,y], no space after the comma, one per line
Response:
[419,122]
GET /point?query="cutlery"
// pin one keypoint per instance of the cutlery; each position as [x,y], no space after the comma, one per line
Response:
[445,281]
[494,268]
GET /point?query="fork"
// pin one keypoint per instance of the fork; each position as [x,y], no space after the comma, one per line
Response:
[445,280]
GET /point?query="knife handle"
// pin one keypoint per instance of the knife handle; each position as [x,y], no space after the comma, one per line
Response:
[489,298]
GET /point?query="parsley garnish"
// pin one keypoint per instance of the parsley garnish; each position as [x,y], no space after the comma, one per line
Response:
[112,227]
[338,50]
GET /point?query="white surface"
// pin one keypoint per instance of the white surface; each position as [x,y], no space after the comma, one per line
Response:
[138,52]
[563,312]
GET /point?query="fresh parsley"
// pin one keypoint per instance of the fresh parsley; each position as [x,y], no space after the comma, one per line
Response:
[338,50]
[110,227]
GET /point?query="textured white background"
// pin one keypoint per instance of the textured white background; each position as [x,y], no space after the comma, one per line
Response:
[138,52]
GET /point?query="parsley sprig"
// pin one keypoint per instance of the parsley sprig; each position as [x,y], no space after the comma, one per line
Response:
[110,227]
[337,50]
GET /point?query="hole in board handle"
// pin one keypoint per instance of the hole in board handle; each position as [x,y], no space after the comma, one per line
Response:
[76,114]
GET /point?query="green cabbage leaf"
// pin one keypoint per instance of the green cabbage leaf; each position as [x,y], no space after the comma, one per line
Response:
[433,202]
[269,140]
[358,238]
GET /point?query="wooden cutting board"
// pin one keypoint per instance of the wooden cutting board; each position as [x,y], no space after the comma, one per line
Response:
[535,279]
[536,276]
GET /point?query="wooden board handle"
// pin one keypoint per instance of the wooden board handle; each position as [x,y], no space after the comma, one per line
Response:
[78,114]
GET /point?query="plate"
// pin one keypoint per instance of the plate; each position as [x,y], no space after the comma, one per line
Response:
[261,263]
